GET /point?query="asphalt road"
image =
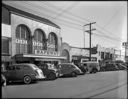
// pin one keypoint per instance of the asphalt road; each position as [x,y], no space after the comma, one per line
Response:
[100,85]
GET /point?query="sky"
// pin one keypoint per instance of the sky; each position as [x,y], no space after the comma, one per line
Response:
[71,16]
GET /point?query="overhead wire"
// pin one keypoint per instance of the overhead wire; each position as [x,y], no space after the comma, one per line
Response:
[80,29]
[65,10]
[61,19]
[90,21]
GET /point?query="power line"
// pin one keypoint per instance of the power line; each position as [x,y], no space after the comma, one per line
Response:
[86,20]
[53,17]
[65,10]
[79,21]
[70,22]
[113,17]
[109,36]
[38,7]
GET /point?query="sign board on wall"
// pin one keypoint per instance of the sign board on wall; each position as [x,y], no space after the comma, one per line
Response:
[45,52]
[78,51]
[6,30]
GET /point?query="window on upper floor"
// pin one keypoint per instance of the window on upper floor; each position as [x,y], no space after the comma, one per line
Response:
[22,39]
[5,46]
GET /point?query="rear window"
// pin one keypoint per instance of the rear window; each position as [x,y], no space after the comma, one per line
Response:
[34,66]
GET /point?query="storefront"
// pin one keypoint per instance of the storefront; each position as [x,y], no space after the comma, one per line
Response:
[33,39]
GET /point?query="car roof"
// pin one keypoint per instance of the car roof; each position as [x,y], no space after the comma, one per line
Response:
[23,64]
[66,64]
[90,62]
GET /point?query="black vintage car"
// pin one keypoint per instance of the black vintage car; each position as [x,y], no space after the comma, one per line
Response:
[49,70]
[109,67]
[82,67]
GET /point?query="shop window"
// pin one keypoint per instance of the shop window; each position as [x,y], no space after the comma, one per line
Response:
[52,42]
[39,40]
[22,39]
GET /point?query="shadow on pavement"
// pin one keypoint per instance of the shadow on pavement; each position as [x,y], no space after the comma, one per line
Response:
[19,83]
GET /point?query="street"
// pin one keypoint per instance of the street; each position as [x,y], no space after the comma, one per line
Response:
[100,85]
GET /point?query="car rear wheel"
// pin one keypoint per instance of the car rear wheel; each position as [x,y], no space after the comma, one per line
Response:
[73,74]
[52,76]
[94,70]
[27,80]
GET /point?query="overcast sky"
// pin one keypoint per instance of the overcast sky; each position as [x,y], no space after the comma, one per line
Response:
[110,18]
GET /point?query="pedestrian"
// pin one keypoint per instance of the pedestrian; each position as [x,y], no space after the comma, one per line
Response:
[3,80]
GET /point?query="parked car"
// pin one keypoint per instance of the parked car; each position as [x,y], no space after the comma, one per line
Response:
[49,70]
[82,67]
[109,67]
[91,66]
[68,69]
[121,66]
[25,72]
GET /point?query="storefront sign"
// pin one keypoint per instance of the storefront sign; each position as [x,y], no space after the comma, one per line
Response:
[44,52]
[75,58]
[37,43]
[21,41]
[50,45]
[6,30]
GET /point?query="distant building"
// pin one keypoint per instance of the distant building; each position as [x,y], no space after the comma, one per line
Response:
[74,54]
[102,53]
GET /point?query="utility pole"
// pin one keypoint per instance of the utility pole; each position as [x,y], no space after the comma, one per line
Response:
[125,45]
[89,31]
[84,36]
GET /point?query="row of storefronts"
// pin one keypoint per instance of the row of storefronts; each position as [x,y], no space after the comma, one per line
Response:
[33,39]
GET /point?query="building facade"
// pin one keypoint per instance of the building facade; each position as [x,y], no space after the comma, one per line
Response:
[32,38]
[74,54]
[102,53]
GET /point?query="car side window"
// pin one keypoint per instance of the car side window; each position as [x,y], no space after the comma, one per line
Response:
[18,68]
[84,64]
[11,68]
[26,67]
[64,66]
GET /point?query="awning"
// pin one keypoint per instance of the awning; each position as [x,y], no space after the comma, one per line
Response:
[40,56]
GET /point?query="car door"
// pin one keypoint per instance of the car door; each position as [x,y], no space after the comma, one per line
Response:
[11,73]
[19,72]
[62,69]
[66,69]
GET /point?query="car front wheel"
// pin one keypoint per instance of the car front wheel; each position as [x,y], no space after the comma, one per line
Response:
[52,76]
[73,74]
[94,70]
[27,80]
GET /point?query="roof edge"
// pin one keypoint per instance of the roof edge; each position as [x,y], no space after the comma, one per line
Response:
[43,20]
